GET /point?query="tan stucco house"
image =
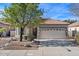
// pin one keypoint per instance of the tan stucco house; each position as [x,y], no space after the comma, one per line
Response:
[49,29]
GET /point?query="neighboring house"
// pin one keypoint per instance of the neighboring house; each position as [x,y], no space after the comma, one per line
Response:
[5,28]
[4,25]
[73,29]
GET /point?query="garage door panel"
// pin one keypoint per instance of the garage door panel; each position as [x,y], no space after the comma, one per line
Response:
[52,34]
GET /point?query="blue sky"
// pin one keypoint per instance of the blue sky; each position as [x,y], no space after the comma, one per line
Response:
[58,11]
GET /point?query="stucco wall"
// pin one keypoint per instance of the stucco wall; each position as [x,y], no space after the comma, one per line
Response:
[73,28]
[26,31]
[17,32]
[70,29]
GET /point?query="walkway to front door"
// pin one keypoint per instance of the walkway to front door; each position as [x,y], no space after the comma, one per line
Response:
[57,42]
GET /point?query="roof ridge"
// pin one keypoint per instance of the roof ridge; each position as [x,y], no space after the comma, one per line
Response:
[52,21]
[74,24]
[4,22]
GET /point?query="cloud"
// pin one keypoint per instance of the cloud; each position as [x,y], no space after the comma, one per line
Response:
[1,10]
[57,10]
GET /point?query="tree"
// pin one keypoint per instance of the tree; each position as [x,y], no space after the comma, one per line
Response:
[74,9]
[70,21]
[22,15]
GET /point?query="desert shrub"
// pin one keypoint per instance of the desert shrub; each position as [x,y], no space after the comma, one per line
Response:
[25,37]
[2,30]
[30,37]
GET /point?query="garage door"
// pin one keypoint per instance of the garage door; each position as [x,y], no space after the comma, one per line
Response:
[52,33]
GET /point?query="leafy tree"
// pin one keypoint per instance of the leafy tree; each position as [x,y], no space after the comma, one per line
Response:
[70,21]
[22,15]
[2,29]
[74,9]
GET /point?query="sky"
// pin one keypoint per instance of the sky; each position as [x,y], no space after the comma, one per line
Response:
[59,11]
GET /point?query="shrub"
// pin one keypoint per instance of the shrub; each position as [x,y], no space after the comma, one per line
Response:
[30,37]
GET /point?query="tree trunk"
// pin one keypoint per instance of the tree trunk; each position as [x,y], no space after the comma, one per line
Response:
[21,34]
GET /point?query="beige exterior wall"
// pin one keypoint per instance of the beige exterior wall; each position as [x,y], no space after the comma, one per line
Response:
[70,29]
[73,28]
[17,32]
[26,31]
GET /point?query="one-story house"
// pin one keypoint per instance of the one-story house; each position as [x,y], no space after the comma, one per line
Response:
[3,24]
[6,30]
[49,29]
[73,29]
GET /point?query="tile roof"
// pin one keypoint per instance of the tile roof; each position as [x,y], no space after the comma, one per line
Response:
[49,21]
[76,24]
[3,24]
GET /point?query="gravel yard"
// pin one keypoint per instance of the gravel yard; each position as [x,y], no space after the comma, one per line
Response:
[6,44]
[16,48]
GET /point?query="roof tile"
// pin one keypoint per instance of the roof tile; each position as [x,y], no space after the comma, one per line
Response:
[54,22]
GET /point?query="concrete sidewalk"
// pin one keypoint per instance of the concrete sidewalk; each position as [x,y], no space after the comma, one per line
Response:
[43,51]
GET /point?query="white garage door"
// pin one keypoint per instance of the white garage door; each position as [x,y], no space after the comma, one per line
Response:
[52,33]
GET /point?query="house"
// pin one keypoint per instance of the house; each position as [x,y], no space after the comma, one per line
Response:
[52,29]
[6,29]
[73,29]
[3,24]
[49,29]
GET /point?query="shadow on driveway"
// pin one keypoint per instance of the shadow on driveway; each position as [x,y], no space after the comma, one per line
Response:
[57,42]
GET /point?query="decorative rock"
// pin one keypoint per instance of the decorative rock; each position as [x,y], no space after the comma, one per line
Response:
[6,44]
[14,39]
[27,45]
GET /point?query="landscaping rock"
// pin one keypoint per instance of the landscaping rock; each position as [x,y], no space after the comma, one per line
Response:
[14,39]
[27,45]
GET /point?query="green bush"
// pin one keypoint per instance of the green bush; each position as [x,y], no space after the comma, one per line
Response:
[2,29]
[30,37]
[77,38]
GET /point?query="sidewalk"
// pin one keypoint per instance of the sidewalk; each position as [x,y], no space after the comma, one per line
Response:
[43,51]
